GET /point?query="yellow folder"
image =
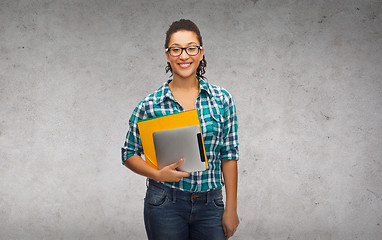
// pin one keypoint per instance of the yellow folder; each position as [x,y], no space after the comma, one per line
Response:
[177,120]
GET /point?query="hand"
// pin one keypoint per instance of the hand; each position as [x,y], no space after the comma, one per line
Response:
[230,223]
[170,174]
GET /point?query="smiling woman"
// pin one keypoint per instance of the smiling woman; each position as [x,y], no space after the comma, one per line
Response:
[184,65]
[182,205]
[186,25]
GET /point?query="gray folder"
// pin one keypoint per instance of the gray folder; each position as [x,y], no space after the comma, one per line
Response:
[174,144]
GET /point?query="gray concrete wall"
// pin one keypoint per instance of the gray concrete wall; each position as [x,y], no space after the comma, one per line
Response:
[305,75]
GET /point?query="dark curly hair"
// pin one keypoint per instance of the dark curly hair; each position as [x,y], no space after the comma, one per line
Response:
[187,25]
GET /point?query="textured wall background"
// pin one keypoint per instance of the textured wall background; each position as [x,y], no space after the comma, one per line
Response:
[305,75]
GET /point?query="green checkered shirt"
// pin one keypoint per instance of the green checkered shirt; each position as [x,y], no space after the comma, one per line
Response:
[218,120]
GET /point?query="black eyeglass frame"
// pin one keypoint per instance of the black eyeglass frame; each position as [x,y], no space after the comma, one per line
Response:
[185,48]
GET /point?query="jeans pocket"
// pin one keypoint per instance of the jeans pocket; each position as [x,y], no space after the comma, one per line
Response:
[218,202]
[155,197]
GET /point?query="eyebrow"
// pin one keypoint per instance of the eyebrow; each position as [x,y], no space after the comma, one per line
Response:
[175,44]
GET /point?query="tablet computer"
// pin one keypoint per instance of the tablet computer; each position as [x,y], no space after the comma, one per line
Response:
[174,144]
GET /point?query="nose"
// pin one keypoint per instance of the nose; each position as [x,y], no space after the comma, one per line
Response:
[184,54]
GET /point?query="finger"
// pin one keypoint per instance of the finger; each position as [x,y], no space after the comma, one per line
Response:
[177,164]
[184,174]
[225,231]
[228,232]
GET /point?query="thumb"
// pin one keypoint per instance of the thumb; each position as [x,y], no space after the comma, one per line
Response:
[177,164]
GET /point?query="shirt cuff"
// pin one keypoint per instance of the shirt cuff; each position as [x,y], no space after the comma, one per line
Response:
[232,154]
[126,153]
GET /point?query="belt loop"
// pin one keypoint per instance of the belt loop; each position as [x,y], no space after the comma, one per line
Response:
[147,182]
[208,197]
[173,195]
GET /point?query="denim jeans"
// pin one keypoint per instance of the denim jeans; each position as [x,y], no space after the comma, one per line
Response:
[171,214]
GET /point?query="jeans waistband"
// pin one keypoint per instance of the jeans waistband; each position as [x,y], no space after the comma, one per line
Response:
[174,193]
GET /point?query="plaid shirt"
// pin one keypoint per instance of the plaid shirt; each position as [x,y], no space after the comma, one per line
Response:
[217,116]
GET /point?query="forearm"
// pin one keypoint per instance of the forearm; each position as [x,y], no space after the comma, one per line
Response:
[166,174]
[138,165]
[230,175]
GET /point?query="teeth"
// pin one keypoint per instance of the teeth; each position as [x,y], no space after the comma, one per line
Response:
[184,64]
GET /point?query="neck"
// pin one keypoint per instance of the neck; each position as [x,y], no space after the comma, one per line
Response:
[184,83]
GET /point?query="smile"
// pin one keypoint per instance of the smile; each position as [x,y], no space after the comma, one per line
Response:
[184,65]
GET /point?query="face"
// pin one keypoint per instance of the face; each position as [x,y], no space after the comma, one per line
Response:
[184,66]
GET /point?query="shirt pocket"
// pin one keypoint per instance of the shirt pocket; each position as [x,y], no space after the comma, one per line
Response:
[217,125]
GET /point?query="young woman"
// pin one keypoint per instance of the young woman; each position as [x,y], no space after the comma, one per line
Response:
[181,205]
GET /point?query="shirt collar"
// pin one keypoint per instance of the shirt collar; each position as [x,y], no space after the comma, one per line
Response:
[204,87]
[166,91]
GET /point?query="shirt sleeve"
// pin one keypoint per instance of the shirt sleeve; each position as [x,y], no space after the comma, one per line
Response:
[230,145]
[133,144]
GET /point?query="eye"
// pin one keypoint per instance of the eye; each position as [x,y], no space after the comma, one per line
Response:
[175,50]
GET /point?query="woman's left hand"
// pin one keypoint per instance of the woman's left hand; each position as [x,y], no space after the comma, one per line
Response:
[230,223]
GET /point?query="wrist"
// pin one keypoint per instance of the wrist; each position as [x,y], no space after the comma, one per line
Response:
[230,207]
[155,175]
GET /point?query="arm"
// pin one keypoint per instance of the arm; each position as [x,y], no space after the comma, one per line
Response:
[230,217]
[229,157]
[167,174]
[132,150]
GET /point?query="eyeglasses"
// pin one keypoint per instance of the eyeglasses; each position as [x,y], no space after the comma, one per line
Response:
[177,51]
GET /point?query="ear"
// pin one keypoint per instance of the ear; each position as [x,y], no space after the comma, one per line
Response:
[201,54]
[167,56]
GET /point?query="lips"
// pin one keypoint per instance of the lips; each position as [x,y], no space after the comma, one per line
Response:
[184,65]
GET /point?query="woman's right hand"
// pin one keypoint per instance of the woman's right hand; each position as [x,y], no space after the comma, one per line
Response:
[170,174]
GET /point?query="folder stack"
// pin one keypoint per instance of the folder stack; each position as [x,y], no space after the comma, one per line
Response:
[177,120]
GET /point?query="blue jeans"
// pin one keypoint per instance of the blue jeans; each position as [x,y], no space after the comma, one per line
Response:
[171,214]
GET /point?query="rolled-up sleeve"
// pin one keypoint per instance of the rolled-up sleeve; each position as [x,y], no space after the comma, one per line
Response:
[230,146]
[133,144]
